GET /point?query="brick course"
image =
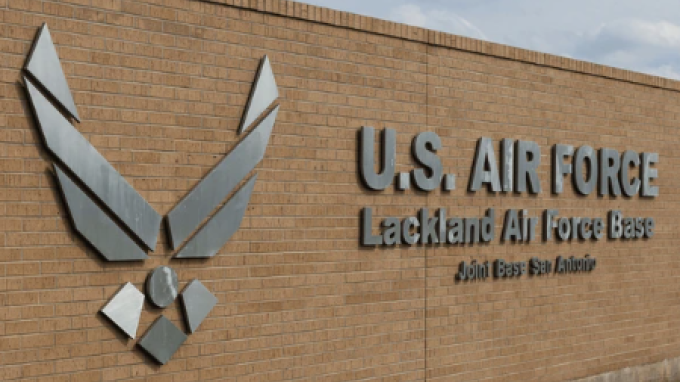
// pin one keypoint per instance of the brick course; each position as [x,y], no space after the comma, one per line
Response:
[160,86]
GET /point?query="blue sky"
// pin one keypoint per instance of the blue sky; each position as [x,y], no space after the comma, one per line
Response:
[640,35]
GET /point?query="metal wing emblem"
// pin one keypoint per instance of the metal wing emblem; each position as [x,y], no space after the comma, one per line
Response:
[116,220]
[105,209]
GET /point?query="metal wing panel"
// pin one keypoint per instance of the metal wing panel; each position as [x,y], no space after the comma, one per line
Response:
[221,227]
[44,65]
[218,184]
[79,156]
[264,93]
[95,226]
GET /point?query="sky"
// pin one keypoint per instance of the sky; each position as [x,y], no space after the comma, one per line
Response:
[640,35]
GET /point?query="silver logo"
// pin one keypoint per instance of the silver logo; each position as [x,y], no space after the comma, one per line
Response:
[116,220]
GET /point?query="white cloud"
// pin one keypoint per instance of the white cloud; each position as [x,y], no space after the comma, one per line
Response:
[632,34]
[660,33]
[437,19]
[668,71]
[647,46]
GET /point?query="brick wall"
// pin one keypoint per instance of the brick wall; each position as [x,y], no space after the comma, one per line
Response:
[160,86]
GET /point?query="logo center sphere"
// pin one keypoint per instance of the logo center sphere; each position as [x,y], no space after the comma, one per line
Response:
[161,286]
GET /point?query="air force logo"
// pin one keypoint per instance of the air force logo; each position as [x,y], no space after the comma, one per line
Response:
[120,225]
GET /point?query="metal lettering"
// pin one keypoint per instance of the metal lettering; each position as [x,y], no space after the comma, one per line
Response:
[610,164]
[629,186]
[561,169]
[528,160]
[423,148]
[583,154]
[389,147]
[485,170]
[648,174]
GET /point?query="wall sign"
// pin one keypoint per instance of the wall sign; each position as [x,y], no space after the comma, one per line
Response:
[516,170]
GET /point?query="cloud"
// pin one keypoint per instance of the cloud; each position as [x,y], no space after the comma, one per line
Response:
[648,46]
[661,33]
[668,71]
[437,19]
[630,34]
[625,34]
